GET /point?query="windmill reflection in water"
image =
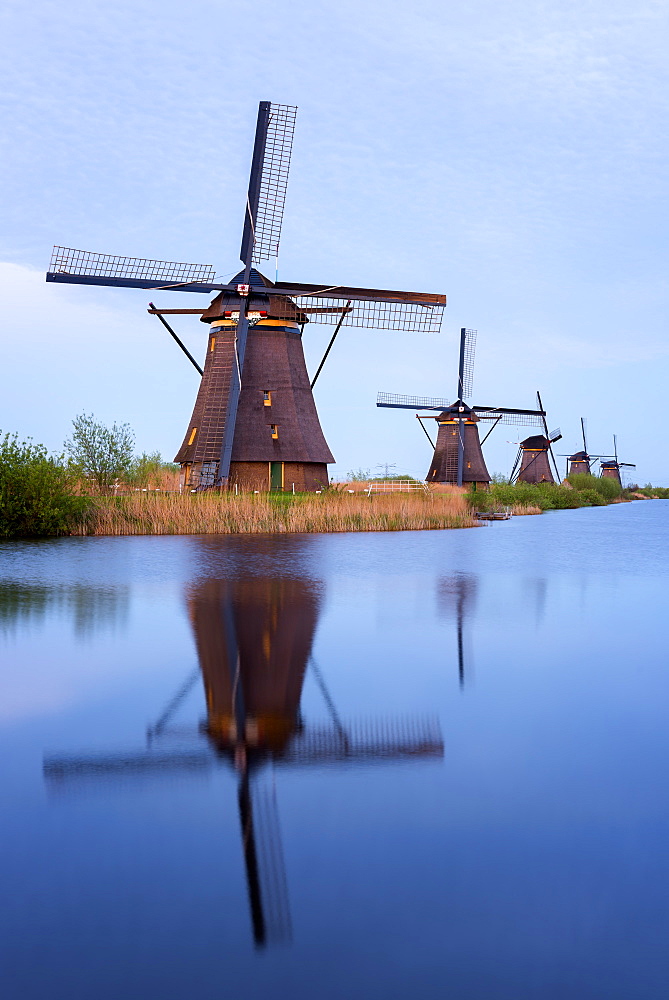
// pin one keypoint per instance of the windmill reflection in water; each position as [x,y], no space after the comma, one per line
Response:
[254,642]
[456,596]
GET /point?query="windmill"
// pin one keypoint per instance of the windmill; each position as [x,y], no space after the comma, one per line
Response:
[255,422]
[580,463]
[254,643]
[611,469]
[458,457]
[533,456]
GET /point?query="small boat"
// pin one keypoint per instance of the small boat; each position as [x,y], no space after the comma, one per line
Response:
[493,515]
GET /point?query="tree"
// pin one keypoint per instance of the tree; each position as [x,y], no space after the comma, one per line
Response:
[101,453]
[37,496]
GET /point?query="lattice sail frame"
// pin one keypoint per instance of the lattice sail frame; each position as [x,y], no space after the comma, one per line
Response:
[468,364]
[514,419]
[484,413]
[179,746]
[271,866]
[66,260]
[411,402]
[274,181]
[374,314]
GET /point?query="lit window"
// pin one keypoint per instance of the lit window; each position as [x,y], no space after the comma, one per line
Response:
[192,435]
[275,430]
[213,343]
[267,397]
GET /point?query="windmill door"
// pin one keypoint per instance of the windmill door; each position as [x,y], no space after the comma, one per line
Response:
[276,475]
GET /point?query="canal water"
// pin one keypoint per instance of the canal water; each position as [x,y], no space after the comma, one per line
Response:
[411,765]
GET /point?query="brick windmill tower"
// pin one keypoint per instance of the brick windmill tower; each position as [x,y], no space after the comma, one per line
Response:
[458,454]
[254,422]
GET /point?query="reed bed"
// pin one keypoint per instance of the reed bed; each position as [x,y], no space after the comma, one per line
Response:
[200,514]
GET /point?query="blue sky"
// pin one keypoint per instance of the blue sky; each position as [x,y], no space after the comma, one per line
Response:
[510,155]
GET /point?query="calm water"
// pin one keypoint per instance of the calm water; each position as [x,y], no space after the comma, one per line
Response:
[422,765]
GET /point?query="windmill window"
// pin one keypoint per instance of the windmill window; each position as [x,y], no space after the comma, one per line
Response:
[213,343]
[275,430]
[192,435]
[267,397]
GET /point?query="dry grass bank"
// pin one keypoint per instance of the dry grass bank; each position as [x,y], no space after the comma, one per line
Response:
[199,514]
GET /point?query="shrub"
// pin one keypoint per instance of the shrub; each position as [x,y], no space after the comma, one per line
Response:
[591,498]
[607,488]
[545,496]
[559,497]
[37,496]
[659,492]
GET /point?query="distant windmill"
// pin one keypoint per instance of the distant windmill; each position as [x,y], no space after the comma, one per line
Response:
[458,457]
[611,469]
[532,461]
[254,422]
[581,462]
[254,643]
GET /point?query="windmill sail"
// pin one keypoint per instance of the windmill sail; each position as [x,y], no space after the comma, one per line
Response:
[466,367]
[374,314]
[82,267]
[498,414]
[370,308]
[516,418]
[395,399]
[268,182]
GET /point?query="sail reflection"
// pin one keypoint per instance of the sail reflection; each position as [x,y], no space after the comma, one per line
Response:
[456,596]
[254,639]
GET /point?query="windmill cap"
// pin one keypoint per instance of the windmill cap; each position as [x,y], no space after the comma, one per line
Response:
[458,409]
[256,280]
[579,456]
[536,441]
[259,301]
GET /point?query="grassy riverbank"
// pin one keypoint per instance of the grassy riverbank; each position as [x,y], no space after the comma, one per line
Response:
[42,496]
[214,513]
